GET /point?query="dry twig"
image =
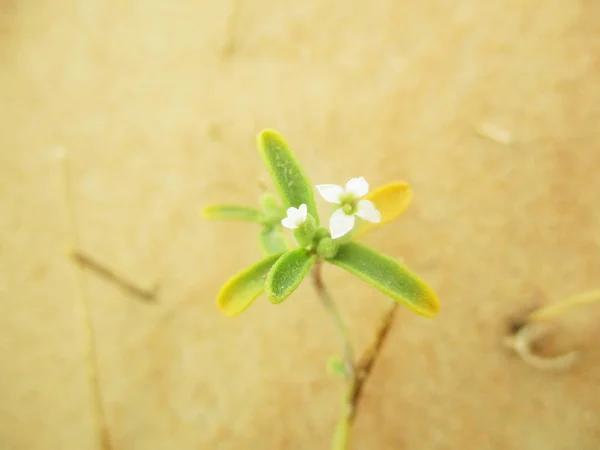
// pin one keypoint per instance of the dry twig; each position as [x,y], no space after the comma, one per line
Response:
[87,262]
[357,372]
[90,353]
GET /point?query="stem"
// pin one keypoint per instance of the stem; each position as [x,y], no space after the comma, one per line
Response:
[356,373]
[343,428]
[522,343]
[87,262]
[532,328]
[364,367]
[90,353]
[337,319]
[560,308]
[229,48]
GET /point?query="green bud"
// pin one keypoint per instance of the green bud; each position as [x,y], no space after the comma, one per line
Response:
[269,205]
[335,366]
[327,248]
[321,233]
[305,233]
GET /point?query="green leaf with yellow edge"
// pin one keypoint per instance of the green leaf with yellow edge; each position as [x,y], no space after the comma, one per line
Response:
[242,289]
[389,276]
[232,212]
[391,200]
[287,274]
[272,241]
[289,177]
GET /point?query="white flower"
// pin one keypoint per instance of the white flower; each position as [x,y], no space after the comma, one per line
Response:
[348,197]
[295,217]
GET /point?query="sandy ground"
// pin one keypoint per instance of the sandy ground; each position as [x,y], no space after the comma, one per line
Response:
[158,104]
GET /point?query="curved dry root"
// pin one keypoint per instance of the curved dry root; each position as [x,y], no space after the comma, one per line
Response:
[522,342]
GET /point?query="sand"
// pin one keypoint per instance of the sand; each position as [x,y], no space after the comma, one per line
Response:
[490,110]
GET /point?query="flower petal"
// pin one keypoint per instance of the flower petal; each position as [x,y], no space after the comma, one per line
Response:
[357,186]
[294,215]
[303,211]
[289,223]
[391,200]
[367,210]
[331,192]
[340,223]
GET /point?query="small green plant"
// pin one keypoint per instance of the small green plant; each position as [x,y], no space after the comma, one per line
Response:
[287,262]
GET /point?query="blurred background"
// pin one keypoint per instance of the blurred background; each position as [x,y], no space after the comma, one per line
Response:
[490,110]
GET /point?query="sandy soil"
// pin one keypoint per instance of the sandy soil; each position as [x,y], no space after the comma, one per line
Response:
[159,103]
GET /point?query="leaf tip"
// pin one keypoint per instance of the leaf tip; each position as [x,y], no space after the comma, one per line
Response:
[206,212]
[226,299]
[287,273]
[429,306]
[241,290]
[267,136]
[223,303]
[268,133]
[229,305]
[270,292]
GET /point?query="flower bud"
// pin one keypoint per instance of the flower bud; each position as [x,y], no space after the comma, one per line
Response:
[327,248]
[305,233]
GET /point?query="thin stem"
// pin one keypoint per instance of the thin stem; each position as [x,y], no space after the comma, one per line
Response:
[229,48]
[557,309]
[522,341]
[87,262]
[528,330]
[364,367]
[90,353]
[340,326]
[356,373]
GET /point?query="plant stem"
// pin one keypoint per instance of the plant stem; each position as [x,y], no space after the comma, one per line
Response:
[229,47]
[90,353]
[522,343]
[356,372]
[333,312]
[557,309]
[85,261]
[533,326]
